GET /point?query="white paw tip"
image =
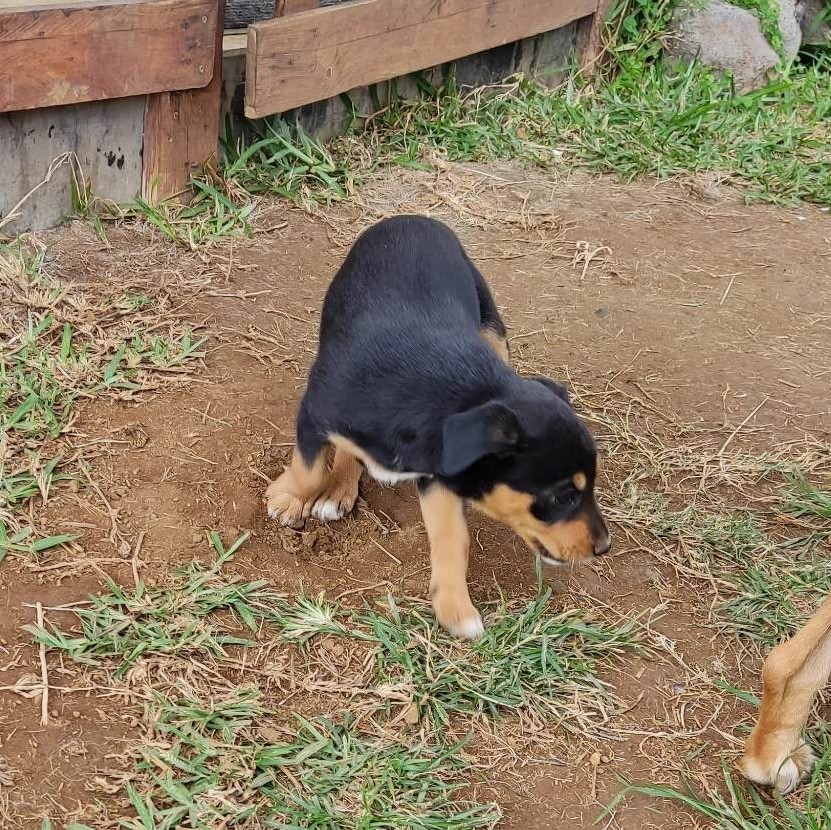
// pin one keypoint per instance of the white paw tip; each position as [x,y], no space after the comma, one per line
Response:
[327,511]
[788,777]
[784,775]
[273,513]
[469,629]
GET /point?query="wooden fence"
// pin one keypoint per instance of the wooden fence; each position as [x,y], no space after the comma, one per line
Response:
[55,53]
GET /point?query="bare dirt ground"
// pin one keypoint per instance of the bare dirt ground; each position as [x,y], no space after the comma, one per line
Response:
[643,297]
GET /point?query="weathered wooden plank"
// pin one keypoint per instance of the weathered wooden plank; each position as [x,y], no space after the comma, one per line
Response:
[104,137]
[305,57]
[94,51]
[181,129]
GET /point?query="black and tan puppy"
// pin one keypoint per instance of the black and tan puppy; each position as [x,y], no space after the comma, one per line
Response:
[412,381]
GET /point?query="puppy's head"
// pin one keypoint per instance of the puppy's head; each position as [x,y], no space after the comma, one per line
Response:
[528,461]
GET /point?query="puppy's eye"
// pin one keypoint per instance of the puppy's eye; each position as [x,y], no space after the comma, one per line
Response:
[566,498]
[554,507]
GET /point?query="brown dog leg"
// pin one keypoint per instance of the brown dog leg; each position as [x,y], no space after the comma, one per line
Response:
[340,492]
[444,519]
[775,753]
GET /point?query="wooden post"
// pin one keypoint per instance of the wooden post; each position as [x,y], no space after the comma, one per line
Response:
[590,38]
[181,131]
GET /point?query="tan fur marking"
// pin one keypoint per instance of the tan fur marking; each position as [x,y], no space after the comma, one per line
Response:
[345,445]
[569,541]
[447,533]
[341,490]
[580,481]
[497,343]
[793,673]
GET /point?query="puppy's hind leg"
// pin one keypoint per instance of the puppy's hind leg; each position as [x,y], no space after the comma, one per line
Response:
[776,753]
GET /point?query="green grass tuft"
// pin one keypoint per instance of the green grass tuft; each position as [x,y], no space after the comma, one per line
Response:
[274,157]
[210,765]
[766,583]
[58,346]
[531,659]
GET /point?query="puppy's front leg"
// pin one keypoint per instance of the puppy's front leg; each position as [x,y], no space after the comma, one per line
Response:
[444,519]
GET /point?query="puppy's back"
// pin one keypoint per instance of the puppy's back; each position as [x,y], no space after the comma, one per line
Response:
[402,271]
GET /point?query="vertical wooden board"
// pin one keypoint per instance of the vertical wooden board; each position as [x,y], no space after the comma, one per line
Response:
[181,130]
[96,51]
[104,135]
[557,52]
[590,42]
[309,56]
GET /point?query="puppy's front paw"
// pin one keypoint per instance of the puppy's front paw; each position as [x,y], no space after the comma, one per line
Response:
[779,767]
[336,501]
[457,615]
[284,506]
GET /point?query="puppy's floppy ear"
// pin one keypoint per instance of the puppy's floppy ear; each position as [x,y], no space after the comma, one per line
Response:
[557,388]
[489,429]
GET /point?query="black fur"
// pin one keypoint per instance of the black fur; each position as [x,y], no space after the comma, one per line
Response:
[403,372]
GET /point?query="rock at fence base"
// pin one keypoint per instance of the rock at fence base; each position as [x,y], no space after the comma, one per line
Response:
[814,18]
[789,26]
[729,38]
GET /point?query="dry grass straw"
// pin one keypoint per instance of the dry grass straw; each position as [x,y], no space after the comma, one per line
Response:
[407,692]
[65,341]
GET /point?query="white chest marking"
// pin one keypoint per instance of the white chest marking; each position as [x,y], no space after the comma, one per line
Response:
[381,474]
[389,477]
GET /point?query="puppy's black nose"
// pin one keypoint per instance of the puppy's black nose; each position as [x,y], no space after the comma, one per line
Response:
[603,545]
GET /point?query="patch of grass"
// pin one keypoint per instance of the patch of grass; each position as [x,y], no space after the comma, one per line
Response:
[268,157]
[806,501]
[740,806]
[124,626]
[530,660]
[766,582]
[771,142]
[274,157]
[211,765]
[209,217]
[60,343]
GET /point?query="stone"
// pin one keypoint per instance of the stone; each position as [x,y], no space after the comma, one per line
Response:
[728,38]
[789,27]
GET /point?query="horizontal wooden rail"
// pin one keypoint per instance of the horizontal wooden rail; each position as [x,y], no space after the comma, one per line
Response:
[313,55]
[54,53]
